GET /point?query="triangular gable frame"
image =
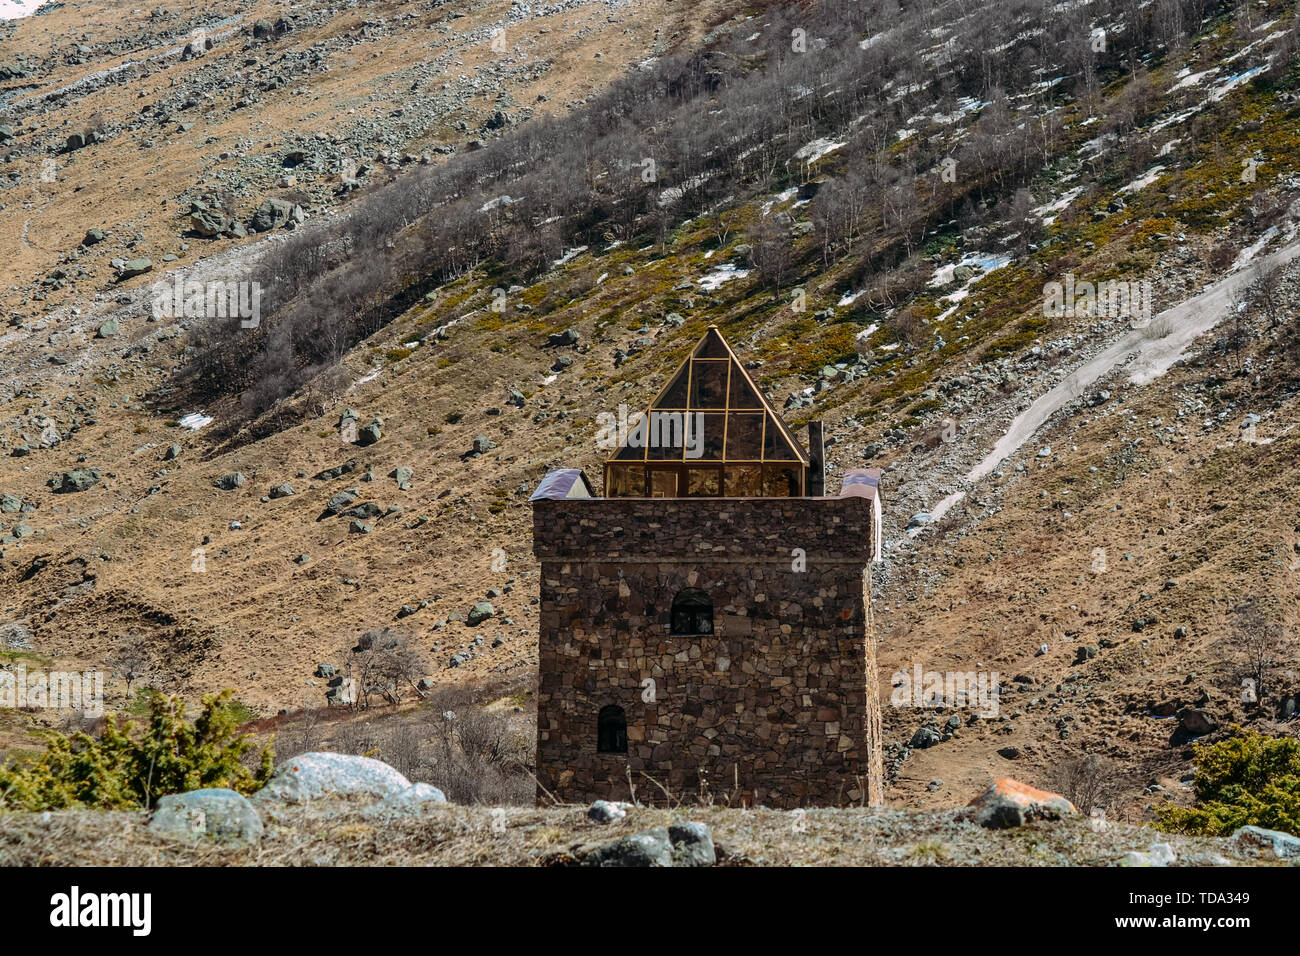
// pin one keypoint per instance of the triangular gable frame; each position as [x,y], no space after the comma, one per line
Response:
[713,347]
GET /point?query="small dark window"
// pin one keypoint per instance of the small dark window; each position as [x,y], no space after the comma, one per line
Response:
[611,730]
[692,613]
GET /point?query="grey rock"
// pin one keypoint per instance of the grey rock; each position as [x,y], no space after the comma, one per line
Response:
[414,798]
[79,479]
[1274,844]
[214,814]
[312,776]
[229,482]
[340,501]
[269,215]
[923,738]
[134,267]
[605,811]
[692,844]
[651,848]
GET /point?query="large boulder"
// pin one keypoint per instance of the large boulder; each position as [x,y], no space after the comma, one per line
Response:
[340,501]
[650,848]
[414,799]
[692,844]
[563,339]
[1269,844]
[79,479]
[312,776]
[272,213]
[1009,803]
[134,267]
[208,222]
[215,814]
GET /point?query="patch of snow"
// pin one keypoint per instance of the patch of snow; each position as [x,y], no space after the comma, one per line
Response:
[724,273]
[1254,249]
[195,420]
[1192,79]
[17,9]
[985,263]
[569,254]
[1048,212]
[784,196]
[1143,181]
[1175,119]
[1231,83]
[811,152]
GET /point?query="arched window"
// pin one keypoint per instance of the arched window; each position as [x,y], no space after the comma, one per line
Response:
[692,613]
[611,730]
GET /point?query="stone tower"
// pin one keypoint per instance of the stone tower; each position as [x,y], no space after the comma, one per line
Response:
[705,626]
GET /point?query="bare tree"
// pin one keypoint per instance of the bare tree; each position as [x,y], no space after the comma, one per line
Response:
[1259,642]
[381,663]
[771,254]
[131,660]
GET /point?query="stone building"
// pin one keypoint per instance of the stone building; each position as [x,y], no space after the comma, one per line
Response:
[705,626]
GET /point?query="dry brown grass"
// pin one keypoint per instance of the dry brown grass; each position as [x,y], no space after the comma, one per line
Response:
[481,836]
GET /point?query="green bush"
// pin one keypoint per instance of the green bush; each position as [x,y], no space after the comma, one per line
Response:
[121,769]
[1250,780]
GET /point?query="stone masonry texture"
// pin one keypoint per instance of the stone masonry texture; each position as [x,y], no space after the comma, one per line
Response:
[777,707]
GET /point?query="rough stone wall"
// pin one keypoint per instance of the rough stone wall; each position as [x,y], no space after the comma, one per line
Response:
[773,708]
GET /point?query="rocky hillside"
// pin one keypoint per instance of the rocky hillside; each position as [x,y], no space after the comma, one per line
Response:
[466,261]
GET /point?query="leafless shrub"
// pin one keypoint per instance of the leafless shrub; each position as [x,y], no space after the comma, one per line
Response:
[131,660]
[384,663]
[1089,782]
[1260,644]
